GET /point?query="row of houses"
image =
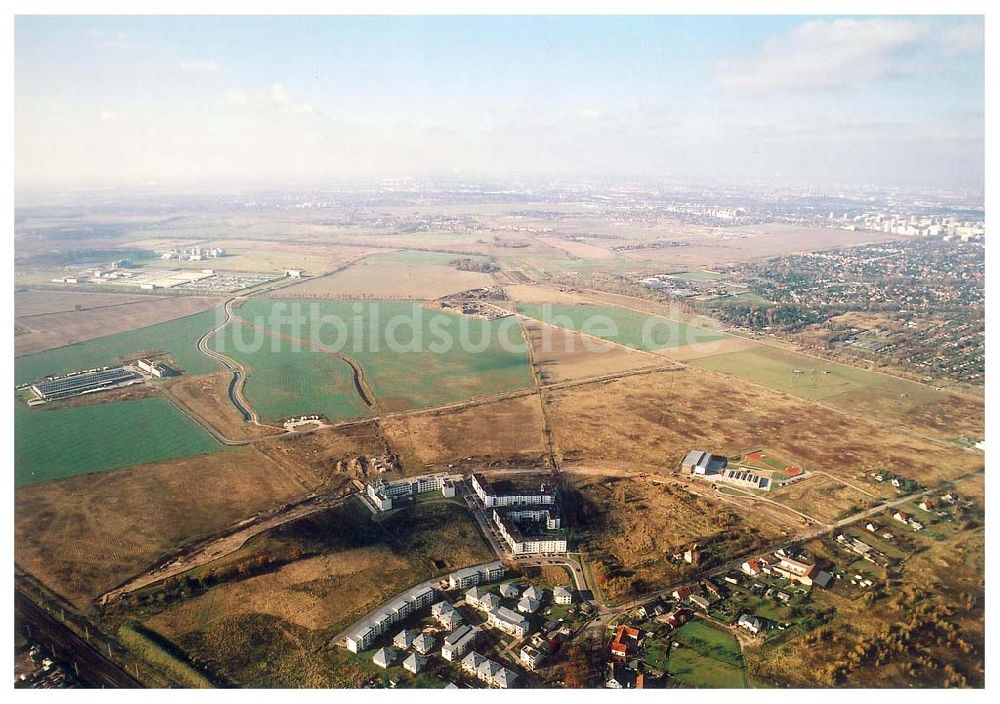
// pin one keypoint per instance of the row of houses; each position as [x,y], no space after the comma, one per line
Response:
[380,623]
[420,597]
[385,495]
[480,574]
[794,569]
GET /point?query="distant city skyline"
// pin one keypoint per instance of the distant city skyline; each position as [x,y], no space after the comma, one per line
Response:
[824,101]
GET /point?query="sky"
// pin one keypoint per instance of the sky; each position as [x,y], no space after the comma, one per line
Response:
[812,101]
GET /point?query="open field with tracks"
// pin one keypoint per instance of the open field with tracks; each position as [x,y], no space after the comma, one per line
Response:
[651,421]
[283,382]
[207,396]
[887,398]
[559,354]
[83,535]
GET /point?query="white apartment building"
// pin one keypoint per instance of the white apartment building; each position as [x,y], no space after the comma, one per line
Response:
[380,623]
[381,494]
[519,497]
[471,576]
[459,642]
[510,622]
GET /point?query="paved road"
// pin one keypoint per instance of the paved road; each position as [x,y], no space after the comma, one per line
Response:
[95,670]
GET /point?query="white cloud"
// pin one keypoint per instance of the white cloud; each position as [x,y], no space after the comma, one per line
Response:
[237,96]
[109,115]
[278,94]
[276,97]
[198,66]
[827,54]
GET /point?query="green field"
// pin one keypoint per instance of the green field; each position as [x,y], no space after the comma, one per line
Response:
[283,383]
[848,387]
[411,256]
[65,442]
[178,338]
[708,657]
[631,328]
[412,356]
[702,275]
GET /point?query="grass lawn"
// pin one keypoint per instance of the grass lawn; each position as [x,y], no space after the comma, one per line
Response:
[708,657]
[412,356]
[656,655]
[702,275]
[64,442]
[627,327]
[178,338]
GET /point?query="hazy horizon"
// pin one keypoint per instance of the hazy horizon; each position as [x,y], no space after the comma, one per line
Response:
[820,102]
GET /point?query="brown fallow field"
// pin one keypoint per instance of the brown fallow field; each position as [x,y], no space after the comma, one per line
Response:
[49,319]
[207,396]
[633,527]
[559,355]
[649,422]
[500,431]
[389,279]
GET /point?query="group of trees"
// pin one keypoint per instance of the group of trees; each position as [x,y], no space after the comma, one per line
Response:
[920,646]
[469,264]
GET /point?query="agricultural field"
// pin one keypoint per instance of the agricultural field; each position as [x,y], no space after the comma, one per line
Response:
[649,422]
[85,534]
[708,657]
[178,338]
[282,382]
[412,357]
[626,327]
[49,319]
[560,354]
[52,443]
[409,275]
[852,389]
[330,569]
[498,431]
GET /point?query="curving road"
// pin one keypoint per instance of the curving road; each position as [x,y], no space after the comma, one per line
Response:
[239,371]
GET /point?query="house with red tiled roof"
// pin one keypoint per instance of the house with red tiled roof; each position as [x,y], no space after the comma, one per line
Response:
[625,642]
